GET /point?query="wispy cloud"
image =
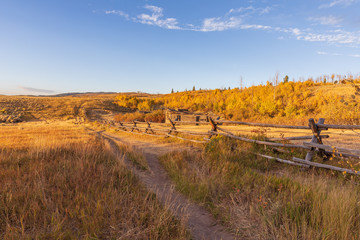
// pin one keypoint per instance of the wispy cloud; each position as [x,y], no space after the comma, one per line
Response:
[255,26]
[238,19]
[117,12]
[36,90]
[326,20]
[322,53]
[157,18]
[250,9]
[233,19]
[220,24]
[337,36]
[338,54]
[334,3]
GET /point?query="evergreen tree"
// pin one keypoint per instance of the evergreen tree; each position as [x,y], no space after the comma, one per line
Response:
[286,79]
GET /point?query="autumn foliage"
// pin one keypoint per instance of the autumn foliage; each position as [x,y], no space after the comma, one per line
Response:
[292,102]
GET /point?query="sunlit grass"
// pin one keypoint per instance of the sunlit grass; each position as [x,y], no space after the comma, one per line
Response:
[59,182]
[262,199]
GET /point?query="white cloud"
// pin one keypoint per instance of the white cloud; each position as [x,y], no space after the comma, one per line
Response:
[333,3]
[240,10]
[156,18]
[295,31]
[220,24]
[249,10]
[154,9]
[331,54]
[322,53]
[355,55]
[338,36]
[255,26]
[265,10]
[236,19]
[326,20]
[117,12]
[338,54]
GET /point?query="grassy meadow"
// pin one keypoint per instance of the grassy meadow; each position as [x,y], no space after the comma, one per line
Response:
[60,182]
[262,199]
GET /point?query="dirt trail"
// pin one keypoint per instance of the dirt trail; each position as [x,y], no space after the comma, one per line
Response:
[200,222]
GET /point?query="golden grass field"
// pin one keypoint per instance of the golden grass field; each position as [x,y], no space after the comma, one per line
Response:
[258,198]
[60,181]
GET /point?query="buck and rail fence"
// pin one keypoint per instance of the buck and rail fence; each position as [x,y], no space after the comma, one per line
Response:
[313,147]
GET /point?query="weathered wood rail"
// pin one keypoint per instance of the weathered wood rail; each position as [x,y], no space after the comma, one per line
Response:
[312,148]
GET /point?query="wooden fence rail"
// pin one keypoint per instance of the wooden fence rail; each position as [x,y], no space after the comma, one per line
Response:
[315,146]
[261,124]
[260,142]
[338,126]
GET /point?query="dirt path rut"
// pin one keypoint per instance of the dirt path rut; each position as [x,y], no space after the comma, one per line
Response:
[201,224]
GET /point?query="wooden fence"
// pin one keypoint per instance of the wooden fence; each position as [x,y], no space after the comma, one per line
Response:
[314,146]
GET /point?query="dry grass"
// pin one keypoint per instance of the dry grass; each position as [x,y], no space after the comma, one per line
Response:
[345,90]
[261,199]
[59,182]
[55,108]
[134,156]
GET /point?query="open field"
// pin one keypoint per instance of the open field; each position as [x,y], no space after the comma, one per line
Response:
[258,198]
[60,182]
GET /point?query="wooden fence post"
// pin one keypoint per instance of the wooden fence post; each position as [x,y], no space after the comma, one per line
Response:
[173,125]
[121,126]
[134,127]
[213,126]
[315,139]
[149,127]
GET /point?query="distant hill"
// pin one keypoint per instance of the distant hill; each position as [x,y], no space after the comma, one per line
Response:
[78,94]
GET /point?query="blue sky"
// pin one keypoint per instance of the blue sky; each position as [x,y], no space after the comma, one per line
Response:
[155,45]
